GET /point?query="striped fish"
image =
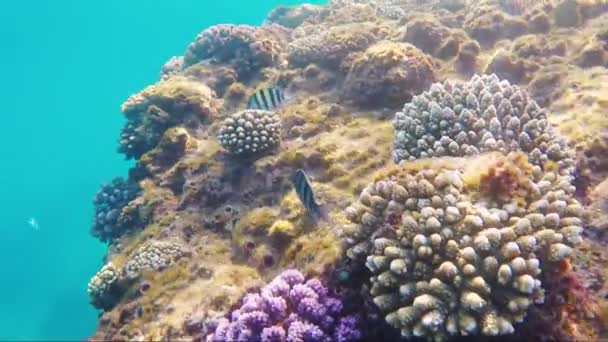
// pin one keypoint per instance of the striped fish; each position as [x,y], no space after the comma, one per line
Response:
[306,195]
[266,99]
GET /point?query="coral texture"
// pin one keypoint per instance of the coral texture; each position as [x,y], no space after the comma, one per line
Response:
[109,203]
[289,308]
[177,100]
[250,132]
[100,286]
[484,114]
[488,181]
[246,48]
[388,74]
[447,258]
[155,256]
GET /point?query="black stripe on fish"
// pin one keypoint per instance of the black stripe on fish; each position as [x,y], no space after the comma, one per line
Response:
[262,95]
[266,99]
[254,102]
[306,195]
[274,101]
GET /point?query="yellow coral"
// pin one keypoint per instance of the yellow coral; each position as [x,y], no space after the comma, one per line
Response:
[314,253]
[283,229]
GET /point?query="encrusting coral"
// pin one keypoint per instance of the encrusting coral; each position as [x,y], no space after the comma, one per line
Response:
[448,259]
[289,308]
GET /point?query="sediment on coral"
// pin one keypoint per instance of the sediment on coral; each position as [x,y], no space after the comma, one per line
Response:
[175,101]
[447,256]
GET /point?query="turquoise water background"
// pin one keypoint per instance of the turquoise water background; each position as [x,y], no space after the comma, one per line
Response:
[67,66]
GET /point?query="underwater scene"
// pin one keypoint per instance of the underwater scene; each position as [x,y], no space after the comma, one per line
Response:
[360,170]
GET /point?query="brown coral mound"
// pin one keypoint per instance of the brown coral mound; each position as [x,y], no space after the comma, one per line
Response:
[434,38]
[487,24]
[330,47]
[246,48]
[388,74]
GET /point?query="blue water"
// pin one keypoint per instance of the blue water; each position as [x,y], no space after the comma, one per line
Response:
[66,67]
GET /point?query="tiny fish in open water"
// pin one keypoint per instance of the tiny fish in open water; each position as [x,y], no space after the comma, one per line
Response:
[306,195]
[266,99]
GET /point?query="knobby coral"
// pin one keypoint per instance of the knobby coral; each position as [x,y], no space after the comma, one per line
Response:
[109,203]
[448,259]
[289,308]
[250,132]
[484,114]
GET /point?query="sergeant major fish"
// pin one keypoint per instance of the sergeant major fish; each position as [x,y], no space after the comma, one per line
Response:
[266,99]
[307,196]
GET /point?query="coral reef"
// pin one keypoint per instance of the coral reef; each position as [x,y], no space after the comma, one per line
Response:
[289,308]
[110,200]
[446,257]
[250,132]
[455,216]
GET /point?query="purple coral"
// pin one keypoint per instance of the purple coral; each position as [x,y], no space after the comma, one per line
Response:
[289,309]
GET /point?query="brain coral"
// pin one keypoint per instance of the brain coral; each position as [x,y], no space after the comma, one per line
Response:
[250,132]
[387,74]
[109,203]
[484,114]
[447,257]
[289,308]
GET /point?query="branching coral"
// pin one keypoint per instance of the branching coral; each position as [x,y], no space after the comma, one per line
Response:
[484,114]
[387,74]
[289,308]
[109,202]
[446,259]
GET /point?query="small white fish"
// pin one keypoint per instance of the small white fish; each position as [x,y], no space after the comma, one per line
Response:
[33,223]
